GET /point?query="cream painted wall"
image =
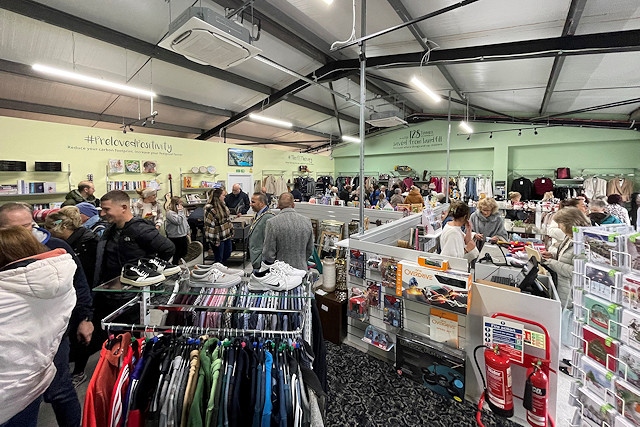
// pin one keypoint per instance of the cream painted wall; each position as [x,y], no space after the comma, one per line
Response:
[88,151]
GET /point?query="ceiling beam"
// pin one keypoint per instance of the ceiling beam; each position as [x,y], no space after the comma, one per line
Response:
[570,25]
[264,141]
[40,12]
[30,107]
[421,38]
[583,44]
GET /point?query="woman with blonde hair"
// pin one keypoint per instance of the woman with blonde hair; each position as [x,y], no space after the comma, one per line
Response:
[218,228]
[148,207]
[177,228]
[487,223]
[562,262]
[36,300]
[66,224]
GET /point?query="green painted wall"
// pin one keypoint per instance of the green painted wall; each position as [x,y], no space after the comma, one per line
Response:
[88,151]
[423,146]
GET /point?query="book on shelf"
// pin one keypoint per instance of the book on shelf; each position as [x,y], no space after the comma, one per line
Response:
[49,187]
[9,189]
[36,187]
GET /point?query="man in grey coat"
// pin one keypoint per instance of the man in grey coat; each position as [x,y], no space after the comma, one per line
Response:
[256,231]
[288,236]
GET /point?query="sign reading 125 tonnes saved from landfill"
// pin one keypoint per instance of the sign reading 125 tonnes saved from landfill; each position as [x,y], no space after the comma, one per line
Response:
[418,138]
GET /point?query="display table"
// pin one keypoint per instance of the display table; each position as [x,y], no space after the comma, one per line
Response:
[333,315]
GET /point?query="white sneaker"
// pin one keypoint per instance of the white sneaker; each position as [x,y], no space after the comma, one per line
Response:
[219,267]
[289,270]
[212,278]
[276,279]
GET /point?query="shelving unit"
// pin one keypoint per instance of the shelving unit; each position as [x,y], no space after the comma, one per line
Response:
[198,178]
[61,180]
[128,185]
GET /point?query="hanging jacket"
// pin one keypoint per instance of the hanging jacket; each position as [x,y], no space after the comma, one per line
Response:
[414,197]
[36,300]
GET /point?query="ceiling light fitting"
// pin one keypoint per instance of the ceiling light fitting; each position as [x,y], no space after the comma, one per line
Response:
[535,131]
[70,75]
[491,135]
[468,137]
[418,83]
[347,138]
[465,127]
[270,121]
[519,132]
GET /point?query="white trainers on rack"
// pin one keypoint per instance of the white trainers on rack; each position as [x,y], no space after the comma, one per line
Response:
[213,278]
[277,278]
[287,268]
[220,267]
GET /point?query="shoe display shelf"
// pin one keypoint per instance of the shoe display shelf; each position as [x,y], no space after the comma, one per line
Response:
[160,299]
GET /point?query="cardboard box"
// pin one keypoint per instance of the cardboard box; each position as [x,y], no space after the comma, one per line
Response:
[443,289]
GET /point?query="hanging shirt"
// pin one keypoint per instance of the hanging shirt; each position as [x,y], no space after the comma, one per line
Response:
[524,187]
[542,185]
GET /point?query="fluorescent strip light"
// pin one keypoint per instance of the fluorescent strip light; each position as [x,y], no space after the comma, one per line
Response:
[465,127]
[417,83]
[329,2]
[347,138]
[270,121]
[92,80]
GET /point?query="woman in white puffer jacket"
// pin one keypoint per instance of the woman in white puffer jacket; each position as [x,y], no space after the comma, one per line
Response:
[36,300]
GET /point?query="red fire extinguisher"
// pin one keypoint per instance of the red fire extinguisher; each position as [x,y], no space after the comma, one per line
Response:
[535,395]
[499,394]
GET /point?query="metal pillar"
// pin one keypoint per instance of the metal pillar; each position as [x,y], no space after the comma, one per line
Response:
[363,100]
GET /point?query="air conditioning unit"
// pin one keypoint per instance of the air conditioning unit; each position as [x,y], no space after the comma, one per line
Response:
[208,38]
[385,119]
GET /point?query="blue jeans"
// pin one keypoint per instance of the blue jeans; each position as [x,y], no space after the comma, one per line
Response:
[28,417]
[61,393]
[223,252]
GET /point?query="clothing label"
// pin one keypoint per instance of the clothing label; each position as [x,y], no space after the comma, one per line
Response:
[324,307]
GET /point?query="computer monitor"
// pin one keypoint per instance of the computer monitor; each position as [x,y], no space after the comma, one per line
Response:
[528,281]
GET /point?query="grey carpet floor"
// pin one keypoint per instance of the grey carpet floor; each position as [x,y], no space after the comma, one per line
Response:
[365,391]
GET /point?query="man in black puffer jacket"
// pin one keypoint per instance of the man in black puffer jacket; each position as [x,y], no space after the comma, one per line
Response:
[125,241]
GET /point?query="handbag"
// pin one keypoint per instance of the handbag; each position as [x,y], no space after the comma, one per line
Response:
[563,173]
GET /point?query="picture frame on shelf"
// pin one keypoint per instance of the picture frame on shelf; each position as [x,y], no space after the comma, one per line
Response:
[332,226]
[116,166]
[327,244]
[150,166]
[132,166]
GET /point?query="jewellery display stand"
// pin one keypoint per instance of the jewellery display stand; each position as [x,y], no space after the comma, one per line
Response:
[158,296]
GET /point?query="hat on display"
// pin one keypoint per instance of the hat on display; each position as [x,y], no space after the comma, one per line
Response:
[87,209]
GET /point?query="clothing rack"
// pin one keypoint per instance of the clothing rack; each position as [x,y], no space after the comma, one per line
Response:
[631,172]
[523,173]
[143,300]
[274,172]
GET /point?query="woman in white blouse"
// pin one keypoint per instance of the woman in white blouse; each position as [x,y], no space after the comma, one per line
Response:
[453,241]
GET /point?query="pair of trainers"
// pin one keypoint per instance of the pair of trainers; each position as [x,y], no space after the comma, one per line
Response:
[278,276]
[215,276]
[148,271]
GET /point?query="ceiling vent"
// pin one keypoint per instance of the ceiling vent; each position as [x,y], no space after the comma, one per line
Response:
[208,38]
[385,119]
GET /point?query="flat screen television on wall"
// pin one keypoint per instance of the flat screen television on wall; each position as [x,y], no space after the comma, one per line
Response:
[240,157]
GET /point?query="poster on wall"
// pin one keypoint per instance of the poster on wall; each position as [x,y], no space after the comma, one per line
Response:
[132,166]
[116,166]
[240,157]
[150,166]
